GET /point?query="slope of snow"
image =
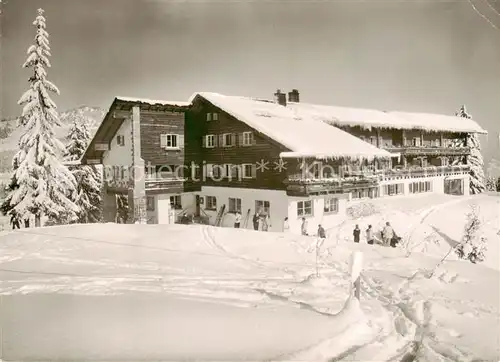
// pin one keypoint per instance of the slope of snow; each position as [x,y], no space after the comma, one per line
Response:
[202,292]
[304,136]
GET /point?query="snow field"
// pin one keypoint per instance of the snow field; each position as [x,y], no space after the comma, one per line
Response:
[235,287]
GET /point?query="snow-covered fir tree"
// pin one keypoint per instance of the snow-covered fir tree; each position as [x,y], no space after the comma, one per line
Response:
[475,159]
[46,185]
[89,179]
[491,183]
[473,244]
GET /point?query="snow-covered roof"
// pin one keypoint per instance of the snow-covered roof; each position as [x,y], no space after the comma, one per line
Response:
[367,118]
[302,135]
[153,101]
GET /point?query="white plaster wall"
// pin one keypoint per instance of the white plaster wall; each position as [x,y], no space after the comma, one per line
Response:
[120,155]
[437,183]
[187,200]
[277,200]
[327,220]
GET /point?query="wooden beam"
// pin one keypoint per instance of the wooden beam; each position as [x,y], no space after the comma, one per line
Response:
[94,161]
[121,114]
[101,146]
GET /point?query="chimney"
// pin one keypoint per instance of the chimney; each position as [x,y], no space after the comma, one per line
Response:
[293,96]
[280,98]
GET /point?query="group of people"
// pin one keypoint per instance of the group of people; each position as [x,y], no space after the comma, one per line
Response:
[389,237]
[15,221]
[260,221]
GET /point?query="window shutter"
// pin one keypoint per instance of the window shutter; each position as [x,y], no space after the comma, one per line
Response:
[209,116]
[180,141]
[254,171]
[204,141]
[221,140]
[253,141]
[241,139]
[233,139]
[163,140]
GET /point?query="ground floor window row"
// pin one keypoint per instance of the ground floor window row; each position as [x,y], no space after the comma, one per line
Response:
[306,207]
[175,203]
[413,188]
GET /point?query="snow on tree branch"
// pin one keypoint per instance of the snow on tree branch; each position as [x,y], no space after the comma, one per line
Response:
[44,186]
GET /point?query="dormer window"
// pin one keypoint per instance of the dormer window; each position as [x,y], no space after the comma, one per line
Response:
[120,140]
[212,116]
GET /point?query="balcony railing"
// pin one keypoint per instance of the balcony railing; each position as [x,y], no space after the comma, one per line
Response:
[153,182]
[429,150]
[297,186]
[426,171]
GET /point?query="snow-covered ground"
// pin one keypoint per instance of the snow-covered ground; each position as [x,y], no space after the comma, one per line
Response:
[150,292]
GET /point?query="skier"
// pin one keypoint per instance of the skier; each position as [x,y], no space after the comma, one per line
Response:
[255,221]
[286,226]
[321,233]
[369,235]
[356,232]
[266,222]
[237,220]
[14,220]
[387,233]
[303,228]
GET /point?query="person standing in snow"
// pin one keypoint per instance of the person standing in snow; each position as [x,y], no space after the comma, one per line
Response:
[369,235]
[255,221]
[387,234]
[237,220]
[266,222]
[321,232]
[356,232]
[303,228]
[14,220]
[286,226]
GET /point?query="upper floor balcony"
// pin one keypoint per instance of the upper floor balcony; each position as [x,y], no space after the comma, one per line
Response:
[410,171]
[428,150]
[122,178]
[300,186]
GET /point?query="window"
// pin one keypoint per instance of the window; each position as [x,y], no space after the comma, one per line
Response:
[211,203]
[234,205]
[171,140]
[246,139]
[262,207]
[393,189]
[249,170]
[164,171]
[230,170]
[150,206]
[214,171]
[304,208]
[416,141]
[419,187]
[228,139]
[175,202]
[120,140]
[332,205]
[212,116]
[209,141]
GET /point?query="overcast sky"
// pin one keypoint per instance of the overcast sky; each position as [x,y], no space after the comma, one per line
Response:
[425,56]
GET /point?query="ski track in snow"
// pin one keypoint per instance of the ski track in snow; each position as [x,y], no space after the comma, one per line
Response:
[400,320]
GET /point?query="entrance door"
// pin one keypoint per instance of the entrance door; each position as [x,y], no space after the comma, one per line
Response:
[454,187]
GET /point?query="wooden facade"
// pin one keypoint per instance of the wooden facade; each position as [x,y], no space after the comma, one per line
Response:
[232,142]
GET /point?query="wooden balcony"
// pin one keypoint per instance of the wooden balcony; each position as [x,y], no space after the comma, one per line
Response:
[306,187]
[428,171]
[164,185]
[429,150]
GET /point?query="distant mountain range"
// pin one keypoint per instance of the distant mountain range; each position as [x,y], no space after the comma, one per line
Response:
[10,132]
